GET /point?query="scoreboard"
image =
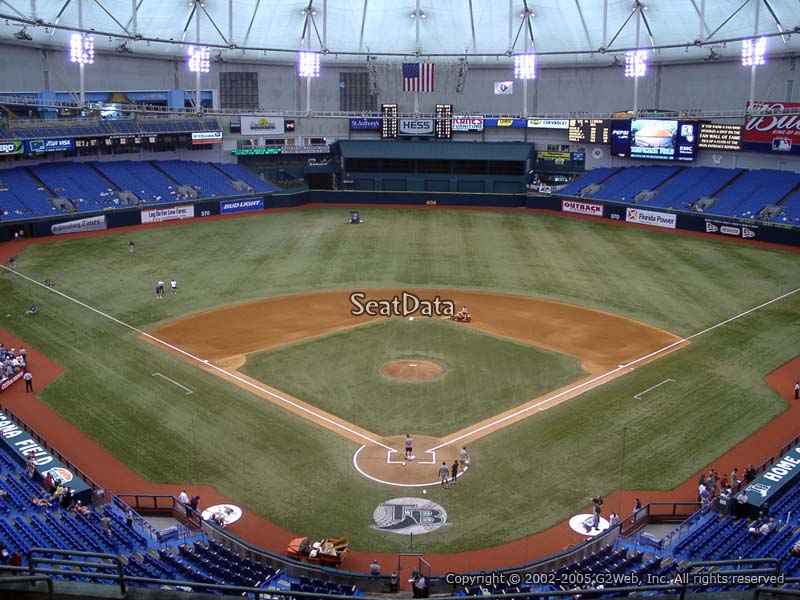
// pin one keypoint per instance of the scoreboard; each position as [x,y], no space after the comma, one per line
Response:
[590,131]
[719,136]
[389,121]
[444,125]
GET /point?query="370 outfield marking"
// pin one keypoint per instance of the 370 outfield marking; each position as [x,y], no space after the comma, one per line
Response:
[205,363]
[183,387]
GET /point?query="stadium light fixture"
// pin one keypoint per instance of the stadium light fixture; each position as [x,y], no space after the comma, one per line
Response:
[198,59]
[308,64]
[525,66]
[636,63]
[754,52]
[81,49]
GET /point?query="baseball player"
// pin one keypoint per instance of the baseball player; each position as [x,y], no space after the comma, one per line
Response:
[444,474]
[173,285]
[409,447]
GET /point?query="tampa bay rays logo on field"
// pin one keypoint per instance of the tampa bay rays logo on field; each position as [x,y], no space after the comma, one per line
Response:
[409,515]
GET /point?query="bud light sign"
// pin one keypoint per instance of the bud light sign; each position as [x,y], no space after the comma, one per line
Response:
[365,124]
[235,206]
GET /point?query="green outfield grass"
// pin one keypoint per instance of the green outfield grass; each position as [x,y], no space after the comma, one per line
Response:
[534,474]
[484,375]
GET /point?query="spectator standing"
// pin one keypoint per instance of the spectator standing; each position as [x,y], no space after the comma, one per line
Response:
[613,519]
[734,476]
[105,524]
[15,560]
[183,498]
[194,503]
[28,381]
[30,466]
[24,354]
[637,506]
[129,516]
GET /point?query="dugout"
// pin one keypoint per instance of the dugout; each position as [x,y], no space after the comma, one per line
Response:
[434,166]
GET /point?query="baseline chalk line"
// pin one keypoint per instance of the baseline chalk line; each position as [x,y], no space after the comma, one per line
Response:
[205,363]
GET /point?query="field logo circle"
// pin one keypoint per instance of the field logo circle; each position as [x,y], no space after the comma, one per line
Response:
[222,514]
[583,524]
[409,515]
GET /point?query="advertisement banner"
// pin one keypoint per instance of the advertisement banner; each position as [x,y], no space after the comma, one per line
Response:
[767,132]
[365,124]
[207,137]
[582,208]
[415,127]
[235,206]
[649,217]
[7,383]
[731,228]
[11,147]
[57,145]
[548,123]
[171,213]
[88,224]
[467,124]
[779,477]
[21,444]
[503,88]
[262,125]
[515,123]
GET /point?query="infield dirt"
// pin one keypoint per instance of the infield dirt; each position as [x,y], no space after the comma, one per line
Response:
[600,340]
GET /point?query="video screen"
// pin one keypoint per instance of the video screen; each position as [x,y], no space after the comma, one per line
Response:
[620,137]
[663,139]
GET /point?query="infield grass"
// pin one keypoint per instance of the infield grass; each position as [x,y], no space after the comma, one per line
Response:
[484,375]
[526,478]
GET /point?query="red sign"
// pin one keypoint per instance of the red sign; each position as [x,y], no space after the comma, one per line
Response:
[582,208]
[779,130]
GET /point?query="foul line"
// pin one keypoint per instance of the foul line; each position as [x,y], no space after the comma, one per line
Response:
[581,386]
[205,363]
[650,389]
[183,387]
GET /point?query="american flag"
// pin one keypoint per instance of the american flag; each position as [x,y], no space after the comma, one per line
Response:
[417,77]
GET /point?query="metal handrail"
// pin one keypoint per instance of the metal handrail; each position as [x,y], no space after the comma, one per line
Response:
[210,112]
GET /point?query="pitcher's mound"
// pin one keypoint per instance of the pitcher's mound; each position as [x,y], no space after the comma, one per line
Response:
[412,370]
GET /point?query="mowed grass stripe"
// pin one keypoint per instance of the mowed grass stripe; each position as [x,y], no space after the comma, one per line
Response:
[531,476]
[341,374]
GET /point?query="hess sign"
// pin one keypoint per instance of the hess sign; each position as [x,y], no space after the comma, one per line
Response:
[416,127]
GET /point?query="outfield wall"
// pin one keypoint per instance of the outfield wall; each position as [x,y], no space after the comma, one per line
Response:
[726,227]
